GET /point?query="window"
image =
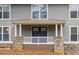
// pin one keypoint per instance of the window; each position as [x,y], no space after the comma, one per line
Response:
[74,10]
[43,29]
[39,11]
[39,31]
[39,34]
[4,11]
[4,33]
[73,34]
[0,12]
[73,14]
[35,29]
[0,33]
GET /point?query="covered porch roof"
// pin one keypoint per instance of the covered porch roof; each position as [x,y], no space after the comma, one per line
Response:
[38,22]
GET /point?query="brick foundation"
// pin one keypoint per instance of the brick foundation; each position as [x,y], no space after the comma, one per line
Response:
[39,47]
[42,47]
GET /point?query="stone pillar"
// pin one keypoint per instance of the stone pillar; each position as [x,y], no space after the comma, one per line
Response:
[18,43]
[59,45]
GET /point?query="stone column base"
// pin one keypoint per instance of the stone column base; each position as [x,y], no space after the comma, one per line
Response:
[59,45]
[18,43]
[18,48]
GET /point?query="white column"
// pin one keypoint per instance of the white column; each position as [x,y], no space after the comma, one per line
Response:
[15,30]
[56,30]
[20,30]
[61,30]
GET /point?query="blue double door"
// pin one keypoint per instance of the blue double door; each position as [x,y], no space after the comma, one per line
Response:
[39,31]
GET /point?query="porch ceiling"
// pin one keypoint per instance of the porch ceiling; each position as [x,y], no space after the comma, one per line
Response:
[38,22]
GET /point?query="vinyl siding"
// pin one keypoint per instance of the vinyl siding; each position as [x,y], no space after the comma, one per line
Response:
[21,11]
[58,11]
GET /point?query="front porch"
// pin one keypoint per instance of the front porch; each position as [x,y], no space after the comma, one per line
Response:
[39,34]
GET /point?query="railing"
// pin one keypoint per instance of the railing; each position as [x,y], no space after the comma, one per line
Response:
[38,40]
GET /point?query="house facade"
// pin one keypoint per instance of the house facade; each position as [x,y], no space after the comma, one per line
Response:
[38,24]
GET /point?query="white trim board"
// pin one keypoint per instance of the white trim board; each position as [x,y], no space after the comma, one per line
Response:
[71,42]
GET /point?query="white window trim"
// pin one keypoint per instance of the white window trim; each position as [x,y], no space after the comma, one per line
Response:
[70,14]
[9,13]
[9,35]
[39,14]
[70,35]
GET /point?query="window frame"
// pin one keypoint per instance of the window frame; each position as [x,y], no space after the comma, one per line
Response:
[39,29]
[9,12]
[70,34]
[8,33]
[39,13]
[70,14]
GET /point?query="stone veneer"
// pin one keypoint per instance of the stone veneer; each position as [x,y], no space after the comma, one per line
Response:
[71,49]
[58,45]
[18,43]
[6,45]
